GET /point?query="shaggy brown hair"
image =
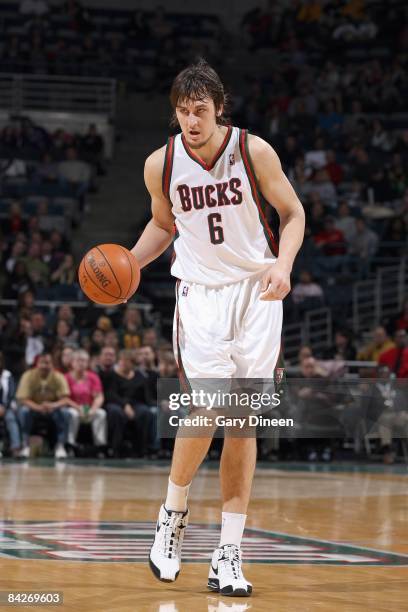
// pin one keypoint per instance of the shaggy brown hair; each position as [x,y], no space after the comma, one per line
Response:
[196,82]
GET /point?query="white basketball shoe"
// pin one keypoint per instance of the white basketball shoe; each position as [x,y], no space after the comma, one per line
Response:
[165,554]
[226,575]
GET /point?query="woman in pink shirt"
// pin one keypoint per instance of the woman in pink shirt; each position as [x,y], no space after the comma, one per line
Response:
[86,400]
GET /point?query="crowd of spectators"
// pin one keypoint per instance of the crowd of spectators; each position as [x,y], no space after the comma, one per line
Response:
[64,370]
[337,397]
[331,100]
[145,48]
[44,182]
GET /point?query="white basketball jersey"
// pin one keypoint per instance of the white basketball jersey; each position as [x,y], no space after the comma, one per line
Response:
[222,233]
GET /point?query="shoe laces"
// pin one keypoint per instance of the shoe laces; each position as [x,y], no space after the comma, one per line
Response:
[231,561]
[172,534]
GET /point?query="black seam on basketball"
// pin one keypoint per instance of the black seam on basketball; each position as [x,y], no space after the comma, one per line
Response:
[131,271]
[96,285]
[111,269]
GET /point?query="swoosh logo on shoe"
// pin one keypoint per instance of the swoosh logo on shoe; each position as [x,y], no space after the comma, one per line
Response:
[214,570]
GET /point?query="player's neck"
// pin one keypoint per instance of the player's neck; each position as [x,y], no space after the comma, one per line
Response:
[208,151]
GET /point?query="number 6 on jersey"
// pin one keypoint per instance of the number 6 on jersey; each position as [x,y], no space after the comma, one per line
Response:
[216,231]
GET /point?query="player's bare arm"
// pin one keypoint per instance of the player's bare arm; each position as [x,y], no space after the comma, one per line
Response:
[277,189]
[158,233]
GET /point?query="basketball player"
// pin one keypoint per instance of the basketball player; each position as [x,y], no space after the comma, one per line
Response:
[213,182]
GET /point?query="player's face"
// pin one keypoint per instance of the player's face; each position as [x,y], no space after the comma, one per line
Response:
[197,119]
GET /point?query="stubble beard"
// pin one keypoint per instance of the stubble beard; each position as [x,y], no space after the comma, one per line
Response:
[196,146]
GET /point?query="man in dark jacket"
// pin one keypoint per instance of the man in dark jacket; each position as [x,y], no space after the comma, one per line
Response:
[7,412]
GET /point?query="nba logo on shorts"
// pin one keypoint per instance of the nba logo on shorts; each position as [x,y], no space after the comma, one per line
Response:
[185,291]
[232,159]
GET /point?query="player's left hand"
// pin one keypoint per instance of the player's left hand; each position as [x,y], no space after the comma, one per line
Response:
[275,283]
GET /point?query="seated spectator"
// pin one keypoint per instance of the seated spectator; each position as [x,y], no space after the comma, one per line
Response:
[150,337]
[65,312]
[363,167]
[115,415]
[43,393]
[131,395]
[314,406]
[315,220]
[167,365]
[25,303]
[304,352]
[396,359]
[401,321]
[37,270]
[104,324]
[75,173]
[18,281]
[14,344]
[333,168]
[331,120]
[67,356]
[132,327]
[47,170]
[92,148]
[363,246]
[17,252]
[345,222]
[380,138]
[7,412]
[343,348]
[330,240]
[60,245]
[15,222]
[145,360]
[392,412]
[64,333]
[306,288]
[112,339]
[161,27]
[86,401]
[325,188]
[66,272]
[380,343]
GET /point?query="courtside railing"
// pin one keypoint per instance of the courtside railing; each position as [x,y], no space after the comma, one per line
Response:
[379,297]
[315,331]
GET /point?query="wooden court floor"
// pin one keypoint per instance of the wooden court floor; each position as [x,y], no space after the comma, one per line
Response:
[317,540]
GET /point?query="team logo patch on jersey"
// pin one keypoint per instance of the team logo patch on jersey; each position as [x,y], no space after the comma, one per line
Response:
[232,159]
[130,541]
[185,291]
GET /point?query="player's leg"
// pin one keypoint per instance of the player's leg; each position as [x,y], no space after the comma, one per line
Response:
[165,554]
[201,349]
[237,468]
[256,351]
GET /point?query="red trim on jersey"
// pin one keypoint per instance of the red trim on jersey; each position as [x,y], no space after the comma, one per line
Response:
[217,156]
[254,188]
[168,167]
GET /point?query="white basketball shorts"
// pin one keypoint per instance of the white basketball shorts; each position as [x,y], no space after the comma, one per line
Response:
[226,331]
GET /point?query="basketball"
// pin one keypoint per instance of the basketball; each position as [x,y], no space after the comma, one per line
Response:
[109,274]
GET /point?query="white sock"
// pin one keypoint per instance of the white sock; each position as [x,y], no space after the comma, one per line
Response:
[176,497]
[232,528]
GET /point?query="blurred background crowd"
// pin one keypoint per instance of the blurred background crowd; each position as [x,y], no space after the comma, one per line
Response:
[328,93]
